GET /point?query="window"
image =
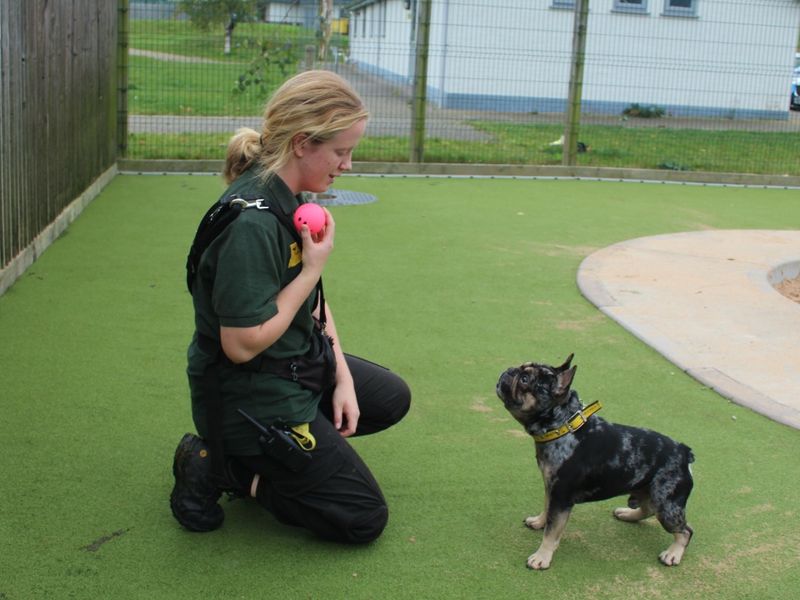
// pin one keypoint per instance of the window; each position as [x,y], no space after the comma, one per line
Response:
[563,3]
[680,8]
[632,6]
[382,20]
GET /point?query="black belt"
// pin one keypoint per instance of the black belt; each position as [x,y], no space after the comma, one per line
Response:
[314,370]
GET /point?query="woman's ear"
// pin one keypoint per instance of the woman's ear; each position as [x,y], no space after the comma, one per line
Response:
[299,144]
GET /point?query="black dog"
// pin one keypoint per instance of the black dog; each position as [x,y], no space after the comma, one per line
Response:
[585,458]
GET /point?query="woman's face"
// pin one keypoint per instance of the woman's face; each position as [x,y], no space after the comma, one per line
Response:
[319,164]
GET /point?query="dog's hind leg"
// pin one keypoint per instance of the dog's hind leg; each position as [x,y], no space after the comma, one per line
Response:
[669,499]
[672,516]
[672,556]
[556,522]
[639,508]
[537,522]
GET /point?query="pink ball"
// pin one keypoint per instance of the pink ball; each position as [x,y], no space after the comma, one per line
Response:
[311,215]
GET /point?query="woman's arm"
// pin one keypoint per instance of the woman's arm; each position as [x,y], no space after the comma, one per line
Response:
[345,402]
[242,344]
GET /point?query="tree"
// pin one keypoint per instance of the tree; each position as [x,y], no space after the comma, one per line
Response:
[206,14]
[325,19]
[271,55]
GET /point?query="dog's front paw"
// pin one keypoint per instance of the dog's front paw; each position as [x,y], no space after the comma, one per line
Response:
[540,560]
[537,522]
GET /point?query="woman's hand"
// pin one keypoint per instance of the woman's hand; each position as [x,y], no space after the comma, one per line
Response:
[344,401]
[318,247]
[345,408]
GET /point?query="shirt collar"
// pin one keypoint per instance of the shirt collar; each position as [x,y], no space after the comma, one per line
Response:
[281,192]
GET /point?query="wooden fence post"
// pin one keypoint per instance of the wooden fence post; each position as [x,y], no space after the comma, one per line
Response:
[123,16]
[420,87]
[573,117]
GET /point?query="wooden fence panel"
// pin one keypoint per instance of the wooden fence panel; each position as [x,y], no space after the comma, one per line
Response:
[58,73]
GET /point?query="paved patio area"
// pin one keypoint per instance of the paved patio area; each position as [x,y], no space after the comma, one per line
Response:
[706,301]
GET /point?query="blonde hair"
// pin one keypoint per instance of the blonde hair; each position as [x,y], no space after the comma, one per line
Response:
[316,103]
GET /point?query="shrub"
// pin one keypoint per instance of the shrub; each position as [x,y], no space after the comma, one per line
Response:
[643,112]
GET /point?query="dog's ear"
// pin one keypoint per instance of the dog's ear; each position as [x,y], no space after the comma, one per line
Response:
[565,366]
[564,381]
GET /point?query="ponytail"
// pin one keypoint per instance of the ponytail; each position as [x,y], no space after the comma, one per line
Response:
[243,148]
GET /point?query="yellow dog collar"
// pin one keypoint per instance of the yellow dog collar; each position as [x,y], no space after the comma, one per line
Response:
[574,423]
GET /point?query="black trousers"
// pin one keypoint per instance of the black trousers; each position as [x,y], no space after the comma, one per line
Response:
[335,496]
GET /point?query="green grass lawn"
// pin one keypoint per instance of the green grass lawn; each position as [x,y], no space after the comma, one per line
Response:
[182,38]
[446,281]
[667,149]
[189,89]
[173,86]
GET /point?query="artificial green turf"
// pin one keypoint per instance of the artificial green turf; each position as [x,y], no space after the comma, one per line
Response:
[448,282]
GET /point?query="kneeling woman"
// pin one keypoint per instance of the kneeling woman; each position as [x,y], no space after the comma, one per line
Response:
[257,301]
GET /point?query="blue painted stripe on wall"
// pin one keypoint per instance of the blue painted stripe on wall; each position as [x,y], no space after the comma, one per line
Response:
[533,104]
[558,105]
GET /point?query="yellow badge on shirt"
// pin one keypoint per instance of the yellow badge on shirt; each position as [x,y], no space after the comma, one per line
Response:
[297,255]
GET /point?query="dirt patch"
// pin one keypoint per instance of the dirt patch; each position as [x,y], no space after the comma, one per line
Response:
[479,405]
[790,288]
[582,324]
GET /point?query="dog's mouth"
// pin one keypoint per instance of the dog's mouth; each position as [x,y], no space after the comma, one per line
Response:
[505,389]
[507,400]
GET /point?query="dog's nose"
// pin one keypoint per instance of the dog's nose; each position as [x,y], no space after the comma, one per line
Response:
[503,387]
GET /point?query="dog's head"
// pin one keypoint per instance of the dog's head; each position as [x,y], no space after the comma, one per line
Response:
[533,389]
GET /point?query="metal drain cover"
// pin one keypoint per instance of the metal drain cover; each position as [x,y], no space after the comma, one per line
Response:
[340,198]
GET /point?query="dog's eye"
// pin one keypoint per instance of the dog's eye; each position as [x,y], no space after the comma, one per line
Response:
[524,379]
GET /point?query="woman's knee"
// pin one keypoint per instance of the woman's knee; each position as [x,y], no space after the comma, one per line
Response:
[367,527]
[400,402]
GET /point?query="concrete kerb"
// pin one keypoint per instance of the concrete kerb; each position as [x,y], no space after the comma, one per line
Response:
[388,169]
[20,263]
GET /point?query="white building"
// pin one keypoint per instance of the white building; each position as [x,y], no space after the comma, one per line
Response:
[723,58]
[298,12]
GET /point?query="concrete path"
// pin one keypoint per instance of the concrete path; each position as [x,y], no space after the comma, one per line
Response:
[706,301]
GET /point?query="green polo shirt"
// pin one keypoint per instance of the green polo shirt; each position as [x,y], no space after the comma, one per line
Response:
[238,280]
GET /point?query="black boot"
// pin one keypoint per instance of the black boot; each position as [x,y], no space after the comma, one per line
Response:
[194,498]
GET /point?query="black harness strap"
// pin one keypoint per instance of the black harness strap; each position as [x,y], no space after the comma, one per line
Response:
[221,214]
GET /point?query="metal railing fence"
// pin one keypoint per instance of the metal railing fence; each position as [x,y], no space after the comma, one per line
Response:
[695,85]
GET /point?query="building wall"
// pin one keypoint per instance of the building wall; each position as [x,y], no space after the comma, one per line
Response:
[731,60]
[290,13]
[380,39]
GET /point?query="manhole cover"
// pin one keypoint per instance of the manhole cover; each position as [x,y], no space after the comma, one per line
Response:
[340,197]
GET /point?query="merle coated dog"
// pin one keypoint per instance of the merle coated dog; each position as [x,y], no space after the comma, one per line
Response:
[584,458]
